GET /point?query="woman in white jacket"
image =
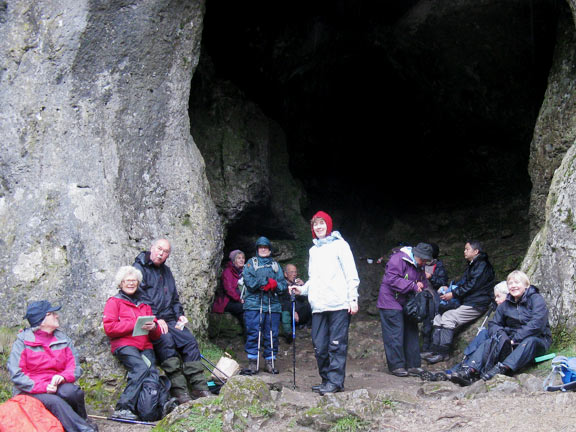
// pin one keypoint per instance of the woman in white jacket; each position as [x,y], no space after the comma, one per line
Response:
[332,290]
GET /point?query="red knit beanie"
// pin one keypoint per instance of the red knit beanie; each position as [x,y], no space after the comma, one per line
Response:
[326,218]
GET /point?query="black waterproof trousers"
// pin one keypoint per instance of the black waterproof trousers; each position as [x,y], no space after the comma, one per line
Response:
[138,369]
[176,342]
[67,405]
[400,336]
[330,339]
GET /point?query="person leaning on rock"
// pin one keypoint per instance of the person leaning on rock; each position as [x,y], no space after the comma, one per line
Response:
[177,350]
[302,310]
[473,291]
[43,364]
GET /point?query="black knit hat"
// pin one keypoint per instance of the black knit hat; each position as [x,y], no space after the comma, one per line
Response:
[423,250]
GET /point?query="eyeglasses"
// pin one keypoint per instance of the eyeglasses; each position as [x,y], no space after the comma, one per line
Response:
[130,281]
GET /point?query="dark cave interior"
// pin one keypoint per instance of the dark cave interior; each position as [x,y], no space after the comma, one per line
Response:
[383,114]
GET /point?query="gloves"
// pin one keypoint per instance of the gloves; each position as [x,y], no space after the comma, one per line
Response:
[270,286]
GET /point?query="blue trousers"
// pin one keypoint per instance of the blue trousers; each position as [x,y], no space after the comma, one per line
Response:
[256,323]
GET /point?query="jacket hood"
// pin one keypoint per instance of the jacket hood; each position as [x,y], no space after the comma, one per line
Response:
[143,258]
[530,291]
[409,256]
[263,241]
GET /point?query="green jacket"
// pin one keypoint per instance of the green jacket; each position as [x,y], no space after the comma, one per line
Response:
[256,272]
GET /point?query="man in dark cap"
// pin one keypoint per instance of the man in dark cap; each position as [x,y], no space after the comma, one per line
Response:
[475,293]
[177,349]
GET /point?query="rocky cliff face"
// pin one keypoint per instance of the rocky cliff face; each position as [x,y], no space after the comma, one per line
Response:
[97,157]
[551,258]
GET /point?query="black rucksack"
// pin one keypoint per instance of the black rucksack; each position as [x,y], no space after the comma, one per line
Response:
[153,397]
[416,308]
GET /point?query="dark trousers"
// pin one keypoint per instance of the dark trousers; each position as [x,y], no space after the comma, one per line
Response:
[522,354]
[131,358]
[237,310]
[176,342]
[330,339]
[400,336]
[67,405]
[252,323]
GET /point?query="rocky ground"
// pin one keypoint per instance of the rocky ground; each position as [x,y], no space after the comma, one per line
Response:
[373,399]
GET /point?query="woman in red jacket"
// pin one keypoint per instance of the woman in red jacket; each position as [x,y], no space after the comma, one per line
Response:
[43,364]
[135,352]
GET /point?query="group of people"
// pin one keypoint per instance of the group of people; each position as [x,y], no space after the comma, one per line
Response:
[44,364]
[518,332]
[268,297]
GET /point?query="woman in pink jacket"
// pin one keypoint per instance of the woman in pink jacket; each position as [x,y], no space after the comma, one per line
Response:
[43,364]
[229,296]
[135,352]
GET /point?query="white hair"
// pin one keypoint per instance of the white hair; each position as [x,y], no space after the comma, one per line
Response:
[501,288]
[125,271]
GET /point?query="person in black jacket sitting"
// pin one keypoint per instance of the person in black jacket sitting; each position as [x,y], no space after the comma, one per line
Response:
[473,291]
[519,332]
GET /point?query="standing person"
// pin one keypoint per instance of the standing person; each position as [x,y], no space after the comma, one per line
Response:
[332,290]
[404,274]
[43,363]
[264,282]
[474,291]
[134,352]
[177,349]
[229,296]
[437,277]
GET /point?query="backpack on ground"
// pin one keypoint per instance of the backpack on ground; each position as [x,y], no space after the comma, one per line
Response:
[562,377]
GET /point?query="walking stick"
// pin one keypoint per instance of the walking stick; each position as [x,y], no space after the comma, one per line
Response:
[259,335]
[271,335]
[121,420]
[293,299]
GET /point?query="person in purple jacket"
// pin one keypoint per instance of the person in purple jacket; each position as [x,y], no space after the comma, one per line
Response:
[404,274]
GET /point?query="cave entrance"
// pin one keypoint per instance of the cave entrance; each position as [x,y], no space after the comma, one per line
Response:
[388,106]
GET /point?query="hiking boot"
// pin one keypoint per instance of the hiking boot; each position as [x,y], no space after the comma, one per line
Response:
[437,358]
[329,388]
[498,368]
[400,372]
[253,366]
[92,424]
[424,355]
[169,406]
[467,376]
[316,388]
[270,368]
[124,414]
[415,371]
[182,397]
[197,394]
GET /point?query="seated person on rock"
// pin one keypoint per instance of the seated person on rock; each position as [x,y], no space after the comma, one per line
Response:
[437,277]
[43,363]
[264,282]
[302,312]
[500,293]
[176,349]
[229,295]
[134,352]
[473,291]
[518,333]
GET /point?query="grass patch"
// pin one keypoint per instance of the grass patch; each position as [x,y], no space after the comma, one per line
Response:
[195,422]
[350,424]
[7,337]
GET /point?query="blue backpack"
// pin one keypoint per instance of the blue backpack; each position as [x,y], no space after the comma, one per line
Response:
[563,374]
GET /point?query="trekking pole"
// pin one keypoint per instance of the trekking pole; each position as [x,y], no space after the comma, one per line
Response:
[212,371]
[259,336]
[271,336]
[121,420]
[293,299]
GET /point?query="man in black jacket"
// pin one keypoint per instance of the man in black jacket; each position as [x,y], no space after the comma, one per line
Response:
[177,350]
[474,291]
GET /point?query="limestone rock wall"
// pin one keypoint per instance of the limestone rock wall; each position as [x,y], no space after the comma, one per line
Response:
[551,259]
[555,129]
[97,157]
